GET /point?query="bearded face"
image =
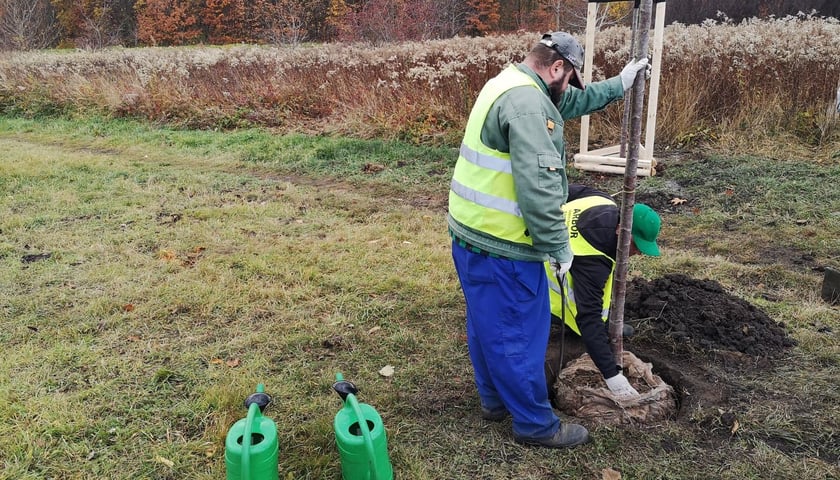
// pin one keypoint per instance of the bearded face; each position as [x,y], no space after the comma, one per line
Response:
[555,91]
[557,87]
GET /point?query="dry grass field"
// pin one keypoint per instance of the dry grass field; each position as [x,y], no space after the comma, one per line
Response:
[720,83]
[178,225]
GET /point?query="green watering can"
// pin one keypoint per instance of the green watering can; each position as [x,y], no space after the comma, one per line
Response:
[360,437]
[251,445]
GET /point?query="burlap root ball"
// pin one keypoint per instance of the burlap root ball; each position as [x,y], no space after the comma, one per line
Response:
[581,392]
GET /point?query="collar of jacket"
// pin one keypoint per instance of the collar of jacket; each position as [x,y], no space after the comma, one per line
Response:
[540,82]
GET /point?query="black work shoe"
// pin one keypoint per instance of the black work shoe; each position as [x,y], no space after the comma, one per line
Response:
[568,435]
[496,415]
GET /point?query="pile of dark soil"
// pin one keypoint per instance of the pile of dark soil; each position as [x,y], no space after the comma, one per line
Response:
[700,314]
[693,332]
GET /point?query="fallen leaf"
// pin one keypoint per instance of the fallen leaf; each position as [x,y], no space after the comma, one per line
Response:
[729,191]
[678,201]
[373,168]
[232,362]
[210,452]
[35,257]
[169,463]
[735,426]
[128,307]
[217,361]
[374,330]
[167,255]
[387,371]
[193,256]
[334,341]
[610,474]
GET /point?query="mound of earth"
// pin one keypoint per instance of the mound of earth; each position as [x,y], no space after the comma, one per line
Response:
[701,314]
[693,332]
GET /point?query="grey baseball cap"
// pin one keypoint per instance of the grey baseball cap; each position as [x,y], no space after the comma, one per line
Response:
[569,48]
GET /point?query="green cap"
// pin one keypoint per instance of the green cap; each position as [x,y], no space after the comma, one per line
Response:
[646,224]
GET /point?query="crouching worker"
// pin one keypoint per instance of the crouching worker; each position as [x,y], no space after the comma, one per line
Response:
[593,218]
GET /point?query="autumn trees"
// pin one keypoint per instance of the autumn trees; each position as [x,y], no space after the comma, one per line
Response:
[32,24]
[166,22]
[483,17]
[100,23]
[94,23]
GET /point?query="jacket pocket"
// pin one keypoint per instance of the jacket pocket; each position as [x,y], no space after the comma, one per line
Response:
[552,171]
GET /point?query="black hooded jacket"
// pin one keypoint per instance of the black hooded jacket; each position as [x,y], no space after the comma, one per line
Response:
[598,225]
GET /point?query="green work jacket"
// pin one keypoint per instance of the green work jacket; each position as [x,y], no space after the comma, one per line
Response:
[521,137]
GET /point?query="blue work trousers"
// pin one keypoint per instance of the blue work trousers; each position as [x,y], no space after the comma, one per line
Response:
[508,323]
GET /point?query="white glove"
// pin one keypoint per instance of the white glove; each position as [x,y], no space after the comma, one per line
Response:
[559,269]
[620,387]
[629,72]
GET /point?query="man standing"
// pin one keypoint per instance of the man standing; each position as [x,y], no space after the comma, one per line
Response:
[592,218]
[505,221]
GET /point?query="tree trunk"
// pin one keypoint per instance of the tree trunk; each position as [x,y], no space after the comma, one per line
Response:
[628,103]
[628,199]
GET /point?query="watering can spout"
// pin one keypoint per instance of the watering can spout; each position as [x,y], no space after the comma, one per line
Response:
[261,398]
[344,388]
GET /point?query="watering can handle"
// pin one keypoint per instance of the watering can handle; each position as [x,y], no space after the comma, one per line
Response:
[365,434]
[349,397]
[253,410]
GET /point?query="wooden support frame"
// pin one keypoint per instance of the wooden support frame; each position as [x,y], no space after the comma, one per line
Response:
[608,159]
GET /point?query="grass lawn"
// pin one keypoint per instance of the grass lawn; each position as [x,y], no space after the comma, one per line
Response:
[150,278]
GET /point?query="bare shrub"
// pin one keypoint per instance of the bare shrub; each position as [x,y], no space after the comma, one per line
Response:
[27,25]
[285,23]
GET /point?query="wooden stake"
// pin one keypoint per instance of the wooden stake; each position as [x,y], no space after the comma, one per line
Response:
[588,55]
[641,172]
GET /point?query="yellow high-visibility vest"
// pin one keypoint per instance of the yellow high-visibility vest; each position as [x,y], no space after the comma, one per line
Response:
[580,247]
[482,194]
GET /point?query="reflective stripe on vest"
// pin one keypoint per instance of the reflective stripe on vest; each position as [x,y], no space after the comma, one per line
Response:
[482,195]
[580,247]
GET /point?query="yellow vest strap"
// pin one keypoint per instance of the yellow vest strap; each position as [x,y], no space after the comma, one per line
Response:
[489,162]
[485,199]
